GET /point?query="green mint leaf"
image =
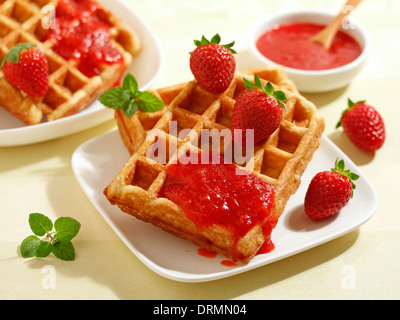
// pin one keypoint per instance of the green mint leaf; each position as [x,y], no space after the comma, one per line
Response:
[60,244]
[40,224]
[131,108]
[129,98]
[137,95]
[148,102]
[32,246]
[130,83]
[248,84]
[13,54]
[29,246]
[115,98]
[64,251]
[66,228]
[44,248]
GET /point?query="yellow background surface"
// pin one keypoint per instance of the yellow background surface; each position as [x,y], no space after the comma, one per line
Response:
[363,264]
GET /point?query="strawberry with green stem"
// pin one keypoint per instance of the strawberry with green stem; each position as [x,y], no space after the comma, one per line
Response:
[25,67]
[212,64]
[329,192]
[363,125]
[258,108]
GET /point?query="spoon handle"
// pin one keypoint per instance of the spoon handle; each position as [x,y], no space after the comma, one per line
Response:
[326,36]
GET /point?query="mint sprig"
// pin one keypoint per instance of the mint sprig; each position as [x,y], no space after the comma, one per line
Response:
[280,96]
[214,40]
[129,98]
[13,54]
[57,242]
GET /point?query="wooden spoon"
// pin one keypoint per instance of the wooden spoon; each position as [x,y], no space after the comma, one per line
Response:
[326,35]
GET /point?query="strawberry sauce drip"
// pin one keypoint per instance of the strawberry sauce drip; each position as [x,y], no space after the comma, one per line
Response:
[206,253]
[219,193]
[81,33]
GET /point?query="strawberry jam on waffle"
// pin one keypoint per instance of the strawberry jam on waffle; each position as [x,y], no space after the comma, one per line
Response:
[81,33]
[211,191]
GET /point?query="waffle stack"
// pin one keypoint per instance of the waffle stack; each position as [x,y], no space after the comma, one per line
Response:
[69,89]
[279,160]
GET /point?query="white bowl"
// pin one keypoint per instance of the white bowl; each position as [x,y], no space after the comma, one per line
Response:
[314,80]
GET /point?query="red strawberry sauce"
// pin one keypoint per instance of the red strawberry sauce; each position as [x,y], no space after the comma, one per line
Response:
[290,46]
[215,194]
[81,33]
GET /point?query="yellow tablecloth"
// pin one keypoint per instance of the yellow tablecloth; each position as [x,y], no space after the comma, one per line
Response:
[363,264]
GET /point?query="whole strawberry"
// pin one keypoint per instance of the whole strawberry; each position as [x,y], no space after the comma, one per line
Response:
[329,192]
[257,108]
[26,68]
[213,65]
[363,125]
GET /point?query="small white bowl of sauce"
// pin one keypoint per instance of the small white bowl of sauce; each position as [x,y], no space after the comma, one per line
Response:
[284,38]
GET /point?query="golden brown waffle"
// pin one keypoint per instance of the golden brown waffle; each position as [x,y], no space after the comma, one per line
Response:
[280,160]
[133,130]
[69,90]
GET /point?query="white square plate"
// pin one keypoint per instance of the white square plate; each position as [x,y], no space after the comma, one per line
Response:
[98,161]
[146,67]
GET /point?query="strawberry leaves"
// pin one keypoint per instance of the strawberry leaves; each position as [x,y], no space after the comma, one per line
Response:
[13,54]
[214,40]
[213,65]
[339,168]
[268,89]
[129,98]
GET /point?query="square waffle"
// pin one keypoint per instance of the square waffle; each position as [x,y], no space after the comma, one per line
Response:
[280,160]
[69,89]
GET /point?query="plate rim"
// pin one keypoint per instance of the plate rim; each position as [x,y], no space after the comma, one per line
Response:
[179,276]
[93,117]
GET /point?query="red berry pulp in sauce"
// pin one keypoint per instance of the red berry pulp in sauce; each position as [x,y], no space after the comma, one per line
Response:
[81,32]
[220,194]
[290,45]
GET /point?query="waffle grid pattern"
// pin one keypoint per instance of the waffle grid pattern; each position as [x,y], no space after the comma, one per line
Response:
[281,159]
